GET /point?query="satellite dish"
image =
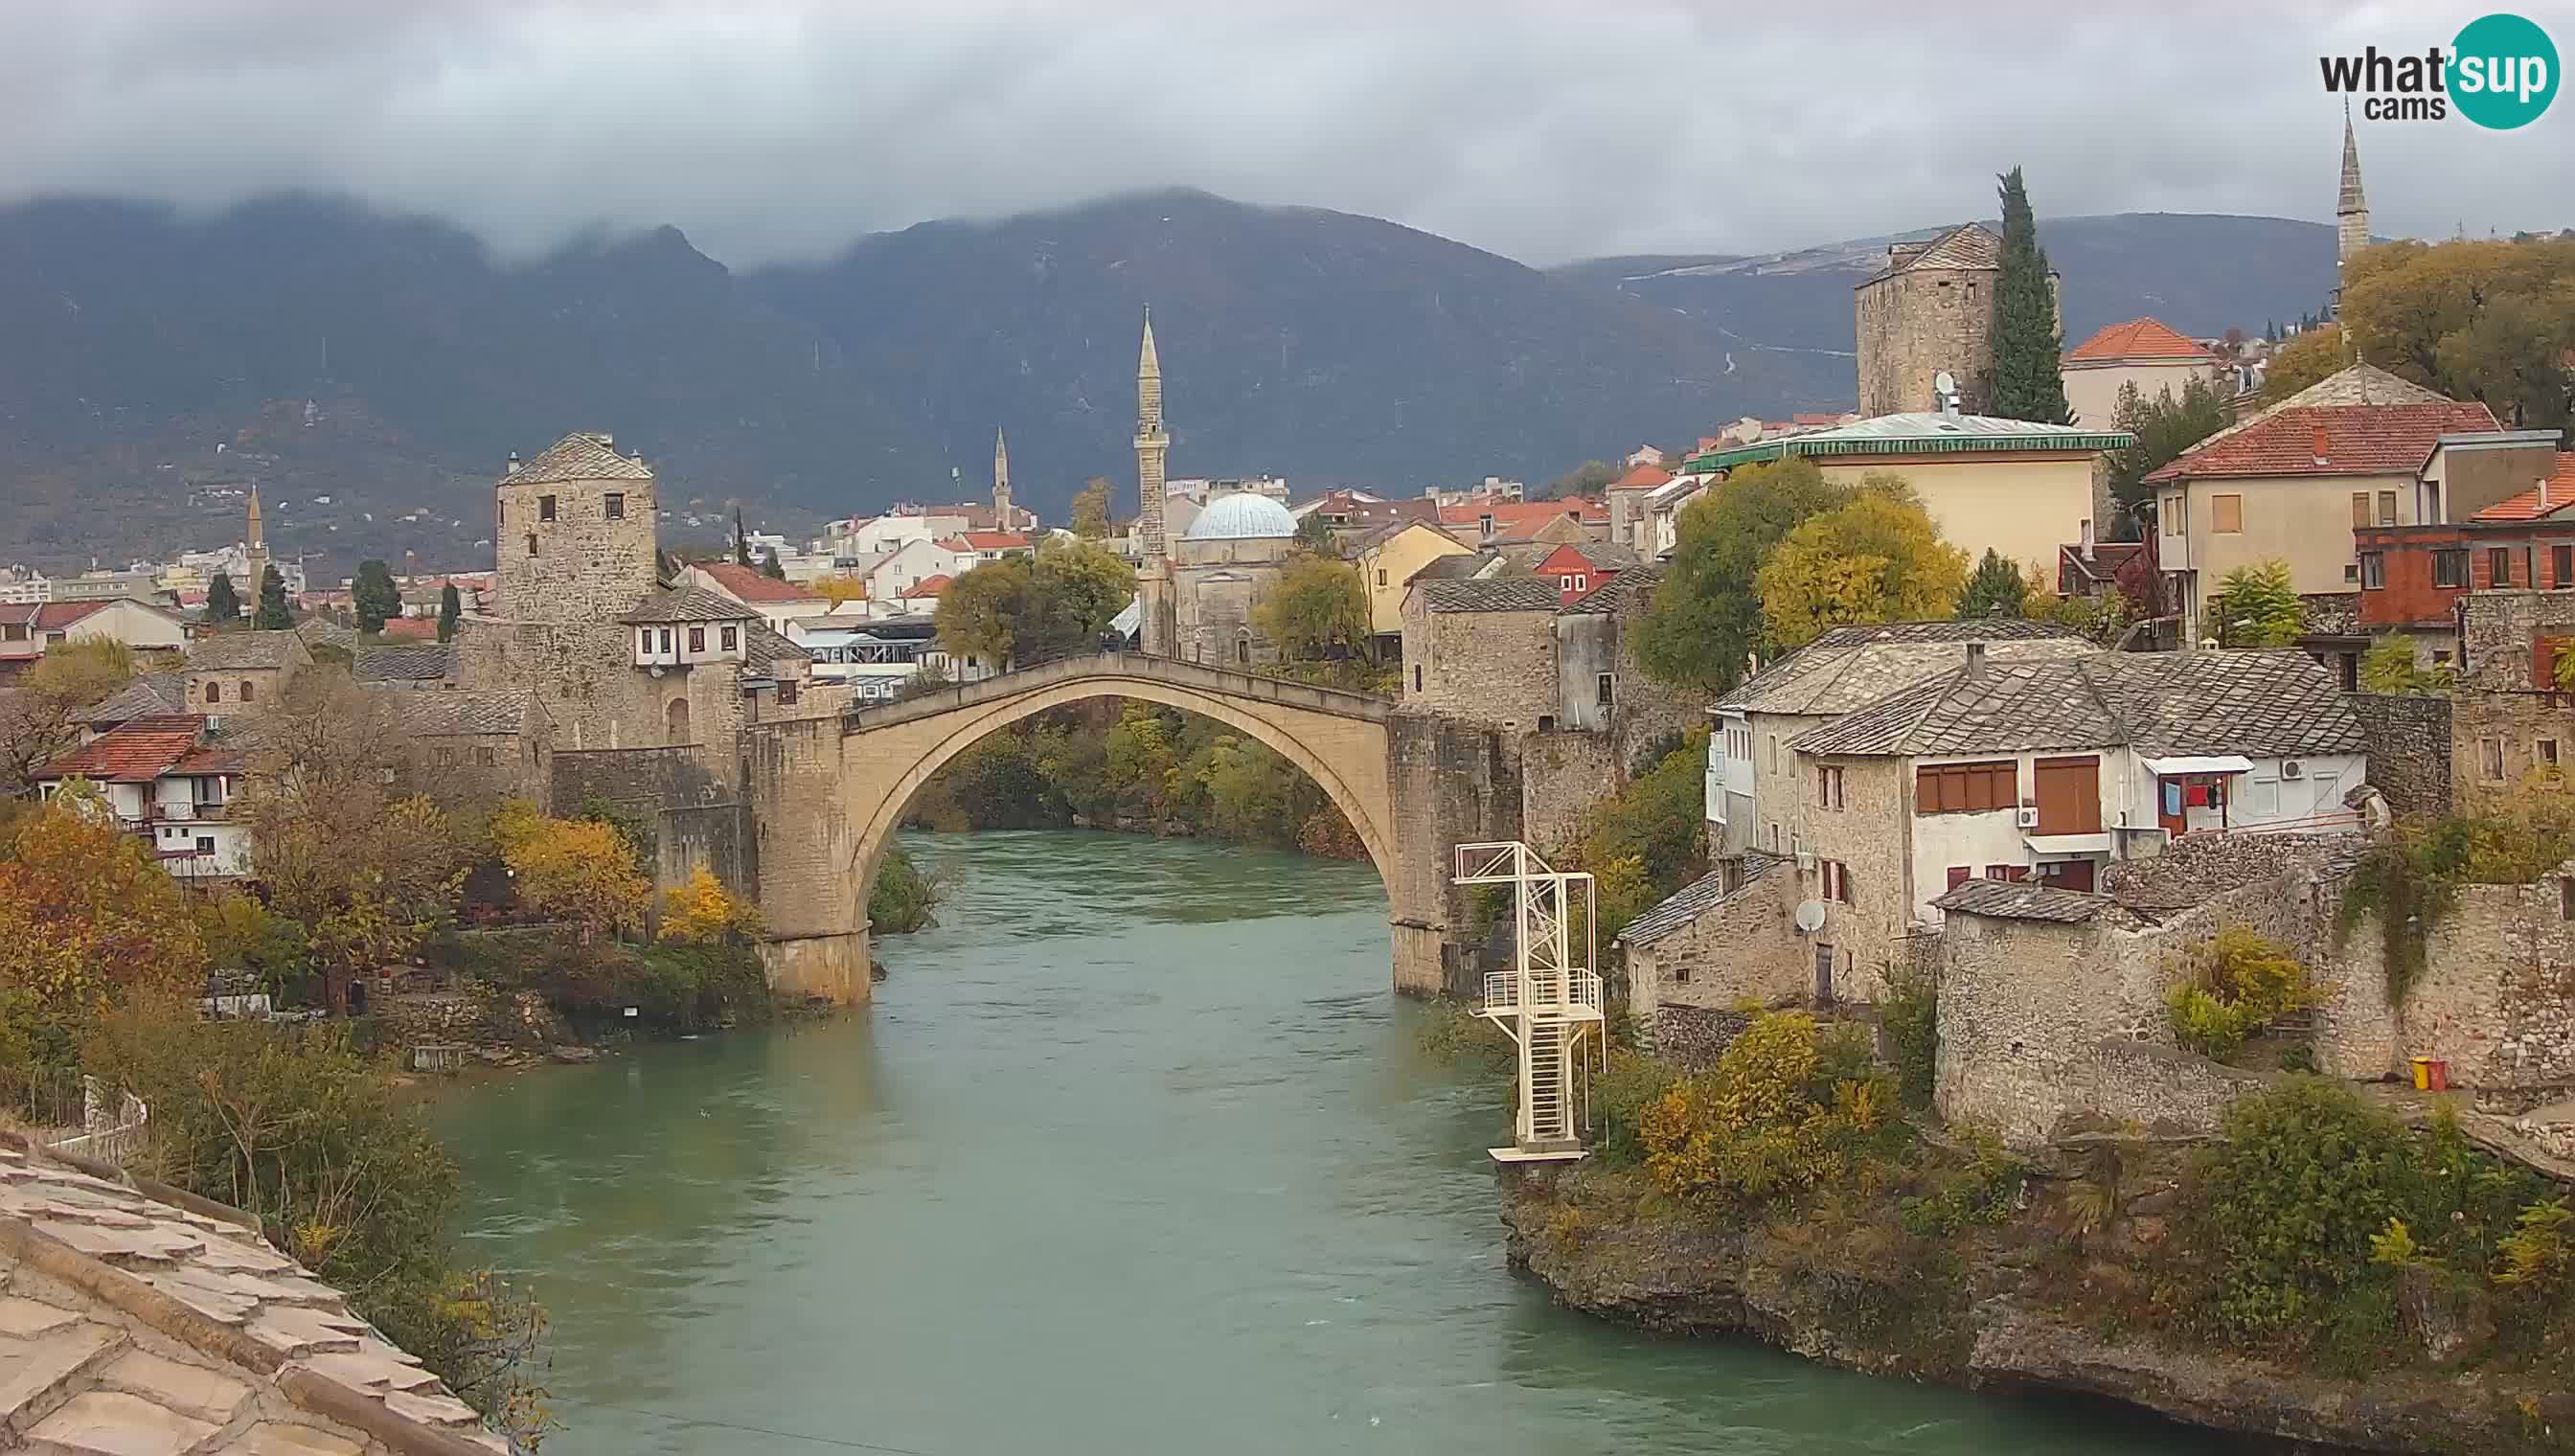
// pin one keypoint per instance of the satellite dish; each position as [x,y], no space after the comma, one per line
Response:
[1945,382]
[1811,918]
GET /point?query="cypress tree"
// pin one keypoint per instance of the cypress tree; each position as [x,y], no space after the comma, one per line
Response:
[741,541]
[223,604]
[770,566]
[273,615]
[375,595]
[2029,377]
[450,608]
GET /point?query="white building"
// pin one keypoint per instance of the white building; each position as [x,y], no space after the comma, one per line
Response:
[161,780]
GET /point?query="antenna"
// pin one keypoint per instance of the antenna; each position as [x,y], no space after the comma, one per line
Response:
[1810,917]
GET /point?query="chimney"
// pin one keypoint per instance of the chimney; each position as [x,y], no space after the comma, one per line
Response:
[512,467]
[2323,446]
[2088,538]
[2543,495]
[1975,660]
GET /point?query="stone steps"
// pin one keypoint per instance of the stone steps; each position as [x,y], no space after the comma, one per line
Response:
[42,1373]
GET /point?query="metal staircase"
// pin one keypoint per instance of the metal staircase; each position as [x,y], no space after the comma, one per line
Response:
[1548,1003]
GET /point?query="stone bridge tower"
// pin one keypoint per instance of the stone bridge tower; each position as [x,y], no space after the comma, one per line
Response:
[1157,631]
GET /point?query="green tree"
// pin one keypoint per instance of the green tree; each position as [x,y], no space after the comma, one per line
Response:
[1588,479]
[1315,603]
[2511,356]
[2029,378]
[1705,621]
[1876,559]
[41,718]
[740,541]
[451,607]
[2390,667]
[1314,534]
[223,604]
[1997,589]
[2165,425]
[1025,608]
[2258,606]
[770,566]
[1091,509]
[374,594]
[2475,319]
[978,613]
[2307,359]
[273,614]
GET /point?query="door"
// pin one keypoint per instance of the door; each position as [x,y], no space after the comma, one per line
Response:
[2069,795]
[2168,807]
[1823,972]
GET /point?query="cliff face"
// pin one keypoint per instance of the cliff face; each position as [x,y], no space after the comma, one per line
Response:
[2027,1304]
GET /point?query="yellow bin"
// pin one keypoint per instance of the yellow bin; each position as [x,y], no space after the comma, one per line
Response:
[2422,1073]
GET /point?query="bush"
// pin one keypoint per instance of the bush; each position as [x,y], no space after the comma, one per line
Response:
[1789,1108]
[1910,1018]
[905,897]
[1450,1032]
[1981,1193]
[2240,983]
[704,912]
[1633,1082]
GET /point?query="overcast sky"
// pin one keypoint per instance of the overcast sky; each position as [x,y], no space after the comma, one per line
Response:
[1546,131]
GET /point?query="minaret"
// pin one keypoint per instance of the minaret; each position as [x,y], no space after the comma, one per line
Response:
[2351,209]
[256,550]
[1158,631]
[1001,483]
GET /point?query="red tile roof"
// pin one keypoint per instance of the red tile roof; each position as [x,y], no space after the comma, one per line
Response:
[57,616]
[211,760]
[137,752]
[411,629]
[2137,339]
[2332,440]
[746,583]
[1642,477]
[930,586]
[1514,518]
[2540,500]
[994,540]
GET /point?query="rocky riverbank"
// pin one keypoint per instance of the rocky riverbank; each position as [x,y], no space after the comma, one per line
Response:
[2047,1299]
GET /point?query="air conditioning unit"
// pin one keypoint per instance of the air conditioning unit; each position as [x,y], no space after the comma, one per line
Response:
[2291,768]
[2026,817]
[1805,861]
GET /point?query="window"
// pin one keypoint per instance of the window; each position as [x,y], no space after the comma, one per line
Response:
[532,543]
[1966,787]
[1381,576]
[2360,516]
[2545,750]
[1680,974]
[442,757]
[2373,570]
[643,641]
[1581,582]
[697,639]
[544,508]
[1417,676]
[1774,836]
[1547,723]
[1959,874]
[665,639]
[1837,885]
[2566,898]
[2499,567]
[2561,566]
[1604,690]
[1565,584]
[1774,752]
[205,843]
[487,756]
[616,505]
[214,691]
[247,690]
[2490,759]
[2387,508]
[788,689]
[2450,568]
[2431,503]
[2226,515]
[2351,573]
[732,637]
[1828,785]
[1242,651]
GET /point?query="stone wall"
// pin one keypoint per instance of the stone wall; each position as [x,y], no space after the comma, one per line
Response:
[2409,748]
[583,674]
[1693,1037]
[2496,996]
[1744,947]
[2497,736]
[1912,324]
[2497,630]
[520,1018]
[1495,667]
[1563,774]
[2156,1088]
[1869,835]
[1450,783]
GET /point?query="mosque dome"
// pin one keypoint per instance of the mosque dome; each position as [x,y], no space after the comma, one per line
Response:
[1241,516]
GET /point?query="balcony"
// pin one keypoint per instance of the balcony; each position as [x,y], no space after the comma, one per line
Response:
[1575,995]
[166,811]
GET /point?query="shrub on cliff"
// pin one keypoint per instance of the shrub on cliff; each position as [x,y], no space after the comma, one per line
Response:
[1789,1107]
[905,897]
[2237,984]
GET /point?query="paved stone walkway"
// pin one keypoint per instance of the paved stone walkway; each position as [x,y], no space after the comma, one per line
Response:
[131,1326]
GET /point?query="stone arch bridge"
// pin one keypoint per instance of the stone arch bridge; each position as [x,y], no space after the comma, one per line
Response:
[826,794]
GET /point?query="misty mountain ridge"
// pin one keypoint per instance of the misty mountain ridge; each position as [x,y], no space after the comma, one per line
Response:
[1326,347]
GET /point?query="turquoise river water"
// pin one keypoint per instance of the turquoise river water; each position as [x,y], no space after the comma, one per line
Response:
[1135,1156]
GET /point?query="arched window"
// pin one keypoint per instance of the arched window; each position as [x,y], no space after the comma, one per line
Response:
[676,721]
[214,690]
[1243,650]
[246,691]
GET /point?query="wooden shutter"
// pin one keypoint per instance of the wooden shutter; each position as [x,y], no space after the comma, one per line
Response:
[2069,795]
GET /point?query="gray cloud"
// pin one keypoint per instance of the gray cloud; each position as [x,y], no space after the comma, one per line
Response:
[1545,131]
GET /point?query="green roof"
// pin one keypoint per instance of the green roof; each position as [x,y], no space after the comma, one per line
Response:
[1918,434]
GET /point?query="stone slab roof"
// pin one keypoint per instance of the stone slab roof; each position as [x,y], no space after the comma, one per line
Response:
[1695,899]
[460,714]
[322,631]
[688,604]
[236,652]
[579,457]
[405,662]
[148,695]
[1967,245]
[1498,594]
[1620,593]
[139,1321]
[2257,704]
[1849,667]
[2007,900]
[765,648]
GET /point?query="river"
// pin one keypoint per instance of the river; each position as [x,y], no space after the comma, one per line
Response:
[1135,1156]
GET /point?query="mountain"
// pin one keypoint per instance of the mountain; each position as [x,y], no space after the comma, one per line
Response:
[151,363]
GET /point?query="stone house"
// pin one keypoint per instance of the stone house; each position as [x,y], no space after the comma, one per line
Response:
[778,602]
[1386,557]
[2280,486]
[405,664]
[482,746]
[240,671]
[1483,650]
[2008,486]
[1658,531]
[1601,685]
[1726,938]
[2142,352]
[167,782]
[1842,672]
[2412,576]
[2508,719]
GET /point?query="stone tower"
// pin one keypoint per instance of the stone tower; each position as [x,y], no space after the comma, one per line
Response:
[2351,210]
[1157,631]
[255,550]
[1000,481]
[574,532]
[1930,308]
